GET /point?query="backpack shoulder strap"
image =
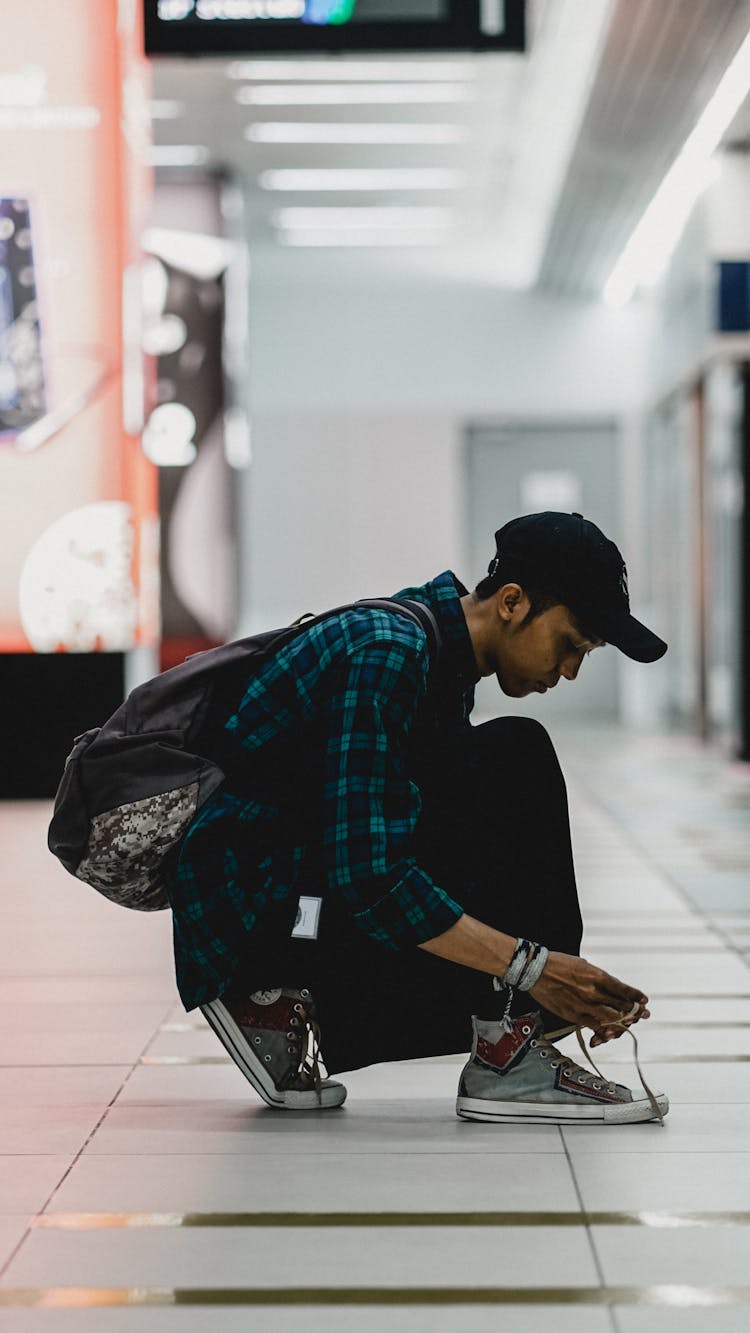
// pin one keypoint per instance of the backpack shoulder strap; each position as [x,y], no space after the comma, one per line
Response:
[417,611]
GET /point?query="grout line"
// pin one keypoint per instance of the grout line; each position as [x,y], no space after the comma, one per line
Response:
[672,1295]
[585,1220]
[644,853]
[4,1267]
[658,1219]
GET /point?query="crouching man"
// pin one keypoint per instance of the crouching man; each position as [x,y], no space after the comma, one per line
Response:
[377,870]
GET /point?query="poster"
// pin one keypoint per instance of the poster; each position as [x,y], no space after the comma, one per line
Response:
[78,497]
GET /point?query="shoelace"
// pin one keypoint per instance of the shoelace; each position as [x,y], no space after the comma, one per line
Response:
[586,1077]
[308,1065]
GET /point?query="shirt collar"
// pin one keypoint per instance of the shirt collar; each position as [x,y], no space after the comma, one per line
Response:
[442,594]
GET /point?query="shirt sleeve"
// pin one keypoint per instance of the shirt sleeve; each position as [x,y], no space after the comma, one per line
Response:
[370,806]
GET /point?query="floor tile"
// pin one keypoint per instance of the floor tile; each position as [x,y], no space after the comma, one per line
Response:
[680,972]
[718,891]
[655,1042]
[690,1009]
[650,1181]
[46,1129]
[700,1256]
[320,1319]
[290,1257]
[687,1129]
[69,1033]
[88,987]
[12,1230]
[406,1126]
[27,1181]
[717,1319]
[61,1085]
[236,1183]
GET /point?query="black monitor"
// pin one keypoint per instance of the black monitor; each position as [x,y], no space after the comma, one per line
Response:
[267,27]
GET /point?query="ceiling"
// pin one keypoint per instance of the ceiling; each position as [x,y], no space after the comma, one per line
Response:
[547,160]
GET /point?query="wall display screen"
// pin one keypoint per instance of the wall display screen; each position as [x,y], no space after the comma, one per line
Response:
[22,399]
[78,497]
[249,27]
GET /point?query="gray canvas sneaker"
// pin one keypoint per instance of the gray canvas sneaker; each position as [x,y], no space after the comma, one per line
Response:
[269,1036]
[515,1074]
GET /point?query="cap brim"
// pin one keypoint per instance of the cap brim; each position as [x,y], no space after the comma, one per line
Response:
[632,638]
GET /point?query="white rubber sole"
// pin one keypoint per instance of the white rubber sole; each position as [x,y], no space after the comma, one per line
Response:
[230,1035]
[551,1113]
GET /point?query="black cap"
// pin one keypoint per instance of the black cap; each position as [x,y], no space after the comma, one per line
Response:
[569,557]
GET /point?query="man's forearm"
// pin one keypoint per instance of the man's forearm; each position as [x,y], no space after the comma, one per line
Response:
[473,944]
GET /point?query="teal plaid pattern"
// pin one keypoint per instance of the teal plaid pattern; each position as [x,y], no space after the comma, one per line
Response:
[350,687]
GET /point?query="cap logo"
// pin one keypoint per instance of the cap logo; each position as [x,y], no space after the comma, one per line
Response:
[624,583]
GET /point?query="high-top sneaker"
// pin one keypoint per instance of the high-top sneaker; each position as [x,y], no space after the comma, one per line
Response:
[269,1036]
[515,1074]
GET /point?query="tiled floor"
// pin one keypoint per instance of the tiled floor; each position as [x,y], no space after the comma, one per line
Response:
[144,1188]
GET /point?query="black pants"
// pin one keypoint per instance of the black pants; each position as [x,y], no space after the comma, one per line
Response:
[494,833]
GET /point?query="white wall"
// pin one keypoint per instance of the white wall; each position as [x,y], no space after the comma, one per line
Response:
[360,390]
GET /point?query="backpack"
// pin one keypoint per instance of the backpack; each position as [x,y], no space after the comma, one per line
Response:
[131,787]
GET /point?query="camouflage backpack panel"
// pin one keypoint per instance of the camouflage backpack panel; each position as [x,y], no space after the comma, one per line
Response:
[127,846]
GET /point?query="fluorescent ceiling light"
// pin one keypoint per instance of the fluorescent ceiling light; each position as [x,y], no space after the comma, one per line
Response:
[393,178]
[546,123]
[331,71]
[328,218]
[353,94]
[177,155]
[647,252]
[166,108]
[199,253]
[361,237]
[285,131]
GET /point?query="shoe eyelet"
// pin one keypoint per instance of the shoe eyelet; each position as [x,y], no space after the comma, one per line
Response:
[555,1064]
[544,1055]
[305,994]
[257,1041]
[597,1087]
[290,1036]
[526,1031]
[291,1050]
[267,1059]
[299,1009]
[533,1043]
[294,1022]
[581,1078]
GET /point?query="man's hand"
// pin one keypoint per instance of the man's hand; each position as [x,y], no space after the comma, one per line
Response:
[569,986]
[585,995]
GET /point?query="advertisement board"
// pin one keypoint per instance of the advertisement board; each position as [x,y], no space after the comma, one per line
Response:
[78,498]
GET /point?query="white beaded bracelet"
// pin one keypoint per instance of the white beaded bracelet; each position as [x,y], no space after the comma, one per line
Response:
[533,970]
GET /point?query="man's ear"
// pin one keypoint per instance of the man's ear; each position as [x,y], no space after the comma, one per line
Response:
[507,600]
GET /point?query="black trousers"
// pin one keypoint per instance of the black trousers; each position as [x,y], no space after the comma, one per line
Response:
[494,833]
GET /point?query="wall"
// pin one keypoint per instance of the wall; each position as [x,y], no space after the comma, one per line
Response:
[362,383]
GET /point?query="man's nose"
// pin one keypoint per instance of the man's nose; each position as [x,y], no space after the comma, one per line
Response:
[570,668]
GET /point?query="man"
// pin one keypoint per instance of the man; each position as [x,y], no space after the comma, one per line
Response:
[426,862]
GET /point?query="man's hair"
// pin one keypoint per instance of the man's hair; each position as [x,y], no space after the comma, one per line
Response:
[540,598]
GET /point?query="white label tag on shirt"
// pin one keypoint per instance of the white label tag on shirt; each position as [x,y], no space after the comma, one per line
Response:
[308,916]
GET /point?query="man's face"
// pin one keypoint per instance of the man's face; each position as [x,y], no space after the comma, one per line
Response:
[532,658]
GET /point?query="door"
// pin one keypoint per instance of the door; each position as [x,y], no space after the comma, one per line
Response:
[524,469]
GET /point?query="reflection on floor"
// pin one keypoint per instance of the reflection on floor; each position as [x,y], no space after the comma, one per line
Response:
[141,1182]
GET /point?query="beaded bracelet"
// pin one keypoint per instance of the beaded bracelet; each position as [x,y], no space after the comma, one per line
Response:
[534,968]
[525,967]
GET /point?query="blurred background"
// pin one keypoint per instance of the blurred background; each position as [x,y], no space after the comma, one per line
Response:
[300,301]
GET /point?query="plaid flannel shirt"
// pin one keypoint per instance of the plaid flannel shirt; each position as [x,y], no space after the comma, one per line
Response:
[350,687]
